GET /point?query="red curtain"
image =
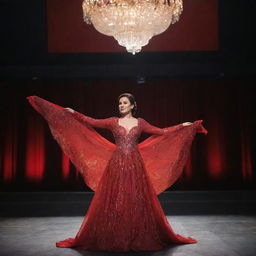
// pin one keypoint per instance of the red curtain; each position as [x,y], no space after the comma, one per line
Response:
[221,160]
[10,151]
[35,150]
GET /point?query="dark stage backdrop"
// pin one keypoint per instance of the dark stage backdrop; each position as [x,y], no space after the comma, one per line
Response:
[30,159]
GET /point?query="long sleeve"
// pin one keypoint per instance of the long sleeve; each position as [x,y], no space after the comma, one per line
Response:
[98,123]
[148,128]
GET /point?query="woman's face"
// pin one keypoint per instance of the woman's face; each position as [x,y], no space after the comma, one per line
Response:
[125,106]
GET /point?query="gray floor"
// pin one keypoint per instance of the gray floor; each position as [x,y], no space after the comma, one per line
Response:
[220,235]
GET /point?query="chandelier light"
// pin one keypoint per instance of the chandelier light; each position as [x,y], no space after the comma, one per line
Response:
[132,22]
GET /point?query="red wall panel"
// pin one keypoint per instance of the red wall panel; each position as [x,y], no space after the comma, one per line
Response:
[197,30]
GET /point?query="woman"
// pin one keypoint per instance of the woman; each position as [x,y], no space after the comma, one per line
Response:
[125,213]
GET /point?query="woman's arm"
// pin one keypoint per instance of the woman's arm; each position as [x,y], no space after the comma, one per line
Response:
[148,128]
[98,123]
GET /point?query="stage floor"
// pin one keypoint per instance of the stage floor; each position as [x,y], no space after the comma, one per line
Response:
[217,235]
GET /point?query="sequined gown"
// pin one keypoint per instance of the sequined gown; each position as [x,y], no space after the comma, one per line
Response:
[125,213]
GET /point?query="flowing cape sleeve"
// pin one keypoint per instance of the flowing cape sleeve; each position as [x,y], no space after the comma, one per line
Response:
[86,148]
[165,156]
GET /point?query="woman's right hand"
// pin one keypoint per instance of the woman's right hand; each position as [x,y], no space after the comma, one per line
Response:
[186,123]
[70,110]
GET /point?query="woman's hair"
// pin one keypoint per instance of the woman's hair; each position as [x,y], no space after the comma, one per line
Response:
[131,99]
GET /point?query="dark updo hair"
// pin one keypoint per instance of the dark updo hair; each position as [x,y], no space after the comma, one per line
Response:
[131,99]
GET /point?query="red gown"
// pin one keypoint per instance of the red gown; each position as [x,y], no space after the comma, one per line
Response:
[125,213]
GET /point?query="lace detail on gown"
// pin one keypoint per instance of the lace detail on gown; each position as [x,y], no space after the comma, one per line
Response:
[125,213]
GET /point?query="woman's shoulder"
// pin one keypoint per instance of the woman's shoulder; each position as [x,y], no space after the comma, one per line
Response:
[141,119]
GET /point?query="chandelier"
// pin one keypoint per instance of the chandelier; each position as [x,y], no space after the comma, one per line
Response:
[132,22]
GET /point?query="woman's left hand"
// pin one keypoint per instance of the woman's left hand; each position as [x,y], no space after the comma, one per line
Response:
[70,110]
[186,123]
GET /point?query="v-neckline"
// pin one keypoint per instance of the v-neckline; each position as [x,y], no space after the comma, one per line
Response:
[128,131]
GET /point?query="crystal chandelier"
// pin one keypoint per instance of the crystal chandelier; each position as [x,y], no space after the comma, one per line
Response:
[132,22]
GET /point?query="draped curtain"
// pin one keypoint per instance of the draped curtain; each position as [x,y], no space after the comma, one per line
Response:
[31,160]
